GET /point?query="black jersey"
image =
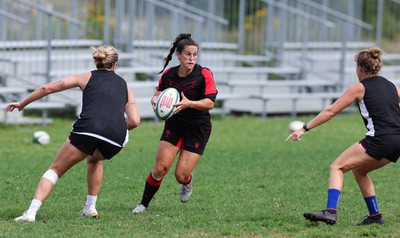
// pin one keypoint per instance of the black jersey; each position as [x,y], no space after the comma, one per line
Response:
[103,107]
[199,84]
[380,107]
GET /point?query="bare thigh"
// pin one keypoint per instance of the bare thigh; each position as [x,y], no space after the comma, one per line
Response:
[353,157]
[67,156]
[166,154]
[186,163]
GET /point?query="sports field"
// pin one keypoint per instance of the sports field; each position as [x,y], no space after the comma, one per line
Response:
[249,183]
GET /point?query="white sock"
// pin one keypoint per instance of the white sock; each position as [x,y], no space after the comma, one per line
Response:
[90,200]
[34,207]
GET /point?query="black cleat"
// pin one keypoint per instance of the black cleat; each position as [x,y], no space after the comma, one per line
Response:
[375,219]
[327,216]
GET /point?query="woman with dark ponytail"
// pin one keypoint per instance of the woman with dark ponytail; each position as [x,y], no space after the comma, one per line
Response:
[187,132]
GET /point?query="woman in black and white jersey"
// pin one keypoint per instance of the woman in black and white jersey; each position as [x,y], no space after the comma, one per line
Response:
[99,133]
[378,101]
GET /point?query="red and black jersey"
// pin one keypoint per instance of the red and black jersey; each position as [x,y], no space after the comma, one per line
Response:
[199,84]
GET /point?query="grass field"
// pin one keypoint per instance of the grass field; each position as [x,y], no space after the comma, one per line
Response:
[249,183]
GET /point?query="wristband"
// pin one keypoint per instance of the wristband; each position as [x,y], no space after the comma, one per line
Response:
[305,127]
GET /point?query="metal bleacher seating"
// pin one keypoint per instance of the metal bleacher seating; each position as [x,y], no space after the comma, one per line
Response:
[268,66]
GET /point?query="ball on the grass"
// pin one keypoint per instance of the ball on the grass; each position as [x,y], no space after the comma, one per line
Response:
[41,137]
[295,125]
[165,103]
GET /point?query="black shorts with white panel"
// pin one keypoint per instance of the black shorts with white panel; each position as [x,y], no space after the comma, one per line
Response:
[384,146]
[89,144]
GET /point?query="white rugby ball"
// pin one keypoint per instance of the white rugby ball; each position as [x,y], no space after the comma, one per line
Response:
[165,103]
[295,125]
[41,137]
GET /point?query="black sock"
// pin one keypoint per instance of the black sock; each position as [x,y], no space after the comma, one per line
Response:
[150,189]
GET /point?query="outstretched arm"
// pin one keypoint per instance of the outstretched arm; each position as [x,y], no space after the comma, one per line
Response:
[77,80]
[355,92]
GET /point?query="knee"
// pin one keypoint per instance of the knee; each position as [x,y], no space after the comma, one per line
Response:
[159,171]
[59,171]
[333,167]
[336,167]
[93,161]
[182,178]
[52,175]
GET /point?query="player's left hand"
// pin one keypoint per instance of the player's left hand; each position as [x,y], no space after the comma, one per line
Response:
[182,105]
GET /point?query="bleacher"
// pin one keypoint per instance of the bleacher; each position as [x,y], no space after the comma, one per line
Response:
[276,72]
[241,88]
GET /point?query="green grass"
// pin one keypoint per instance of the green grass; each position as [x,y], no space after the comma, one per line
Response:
[249,183]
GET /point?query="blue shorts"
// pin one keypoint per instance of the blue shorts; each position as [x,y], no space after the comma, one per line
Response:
[192,138]
[88,145]
[386,146]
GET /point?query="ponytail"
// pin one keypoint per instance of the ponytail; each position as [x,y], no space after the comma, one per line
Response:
[180,41]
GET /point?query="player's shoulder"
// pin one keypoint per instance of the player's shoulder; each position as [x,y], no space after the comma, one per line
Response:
[205,71]
[170,70]
[202,68]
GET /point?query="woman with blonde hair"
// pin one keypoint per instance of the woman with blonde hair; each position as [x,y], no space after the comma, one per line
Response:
[99,133]
[378,101]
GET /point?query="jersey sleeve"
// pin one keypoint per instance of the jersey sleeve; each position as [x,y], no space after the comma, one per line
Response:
[210,88]
[161,83]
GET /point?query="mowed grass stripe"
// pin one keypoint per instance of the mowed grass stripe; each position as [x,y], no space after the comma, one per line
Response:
[249,183]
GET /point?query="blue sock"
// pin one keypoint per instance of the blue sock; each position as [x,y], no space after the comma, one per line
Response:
[372,205]
[333,199]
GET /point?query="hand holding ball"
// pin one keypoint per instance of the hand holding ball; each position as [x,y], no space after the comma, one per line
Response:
[164,108]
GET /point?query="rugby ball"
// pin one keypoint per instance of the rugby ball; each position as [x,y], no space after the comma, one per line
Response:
[165,103]
[41,137]
[295,125]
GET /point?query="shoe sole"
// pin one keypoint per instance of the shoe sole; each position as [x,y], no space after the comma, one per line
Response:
[185,200]
[137,212]
[93,217]
[371,223]
[96,216]
[312,217]
[24,221]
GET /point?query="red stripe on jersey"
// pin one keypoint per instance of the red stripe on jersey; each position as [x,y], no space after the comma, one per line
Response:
[210,83]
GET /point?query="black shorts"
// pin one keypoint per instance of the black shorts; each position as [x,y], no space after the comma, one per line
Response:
[192,138]
[387,146]
[88,144]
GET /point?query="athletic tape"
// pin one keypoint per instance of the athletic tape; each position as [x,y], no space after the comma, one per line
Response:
[51,175]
